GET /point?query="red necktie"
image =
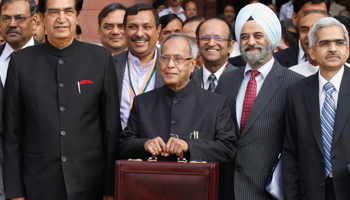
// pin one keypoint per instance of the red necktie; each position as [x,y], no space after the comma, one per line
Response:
[249,98]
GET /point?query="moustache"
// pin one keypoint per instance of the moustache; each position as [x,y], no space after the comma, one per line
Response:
[13,30]
[257,46]
[60,25]
[333,54]
[133,39]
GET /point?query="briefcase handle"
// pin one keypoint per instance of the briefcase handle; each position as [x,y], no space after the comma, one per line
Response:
[179,159]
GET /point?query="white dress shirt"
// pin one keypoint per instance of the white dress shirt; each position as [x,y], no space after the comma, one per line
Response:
[301,54]
[305,69]
[336,80]
[138,76]
[169,10]
[286,10]
[206,74]
[5,59]
[260,78]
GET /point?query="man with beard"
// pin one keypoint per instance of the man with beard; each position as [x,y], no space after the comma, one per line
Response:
[175,8]
[111,28]
[257,94]
[138,67]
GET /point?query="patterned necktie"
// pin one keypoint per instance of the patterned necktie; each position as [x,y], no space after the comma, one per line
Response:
[211,80]
[327,125]
[249,98]
[305,58]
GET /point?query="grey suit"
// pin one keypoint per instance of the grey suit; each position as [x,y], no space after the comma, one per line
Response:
[120,62]
[198,74]
[262,138]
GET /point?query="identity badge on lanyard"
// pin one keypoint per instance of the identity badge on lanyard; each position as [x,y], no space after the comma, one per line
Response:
[145,83]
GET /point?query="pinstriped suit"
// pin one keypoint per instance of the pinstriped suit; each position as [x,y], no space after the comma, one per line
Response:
[120,62]
[262,138]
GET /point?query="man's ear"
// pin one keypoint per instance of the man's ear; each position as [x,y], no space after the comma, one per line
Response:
[294,19]
[193,64]
[35,18]
[311,53]
[230,48]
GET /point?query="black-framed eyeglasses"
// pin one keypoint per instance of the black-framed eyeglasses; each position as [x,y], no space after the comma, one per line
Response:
[18,19]
[217,38]
[178,60]
[328,43]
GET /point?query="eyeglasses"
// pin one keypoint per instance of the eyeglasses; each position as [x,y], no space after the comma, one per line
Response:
[178,60]
[328,43]
[189,9]
[18,19]
[217,38]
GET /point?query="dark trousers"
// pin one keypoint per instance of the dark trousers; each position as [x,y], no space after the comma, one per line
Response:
[330,195]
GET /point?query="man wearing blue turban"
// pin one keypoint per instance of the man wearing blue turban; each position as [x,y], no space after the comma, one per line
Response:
[257,93]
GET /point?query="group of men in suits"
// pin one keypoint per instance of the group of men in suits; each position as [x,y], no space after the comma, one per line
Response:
[73,141]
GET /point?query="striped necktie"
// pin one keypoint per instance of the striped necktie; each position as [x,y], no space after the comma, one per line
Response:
[211,80]
[327,125]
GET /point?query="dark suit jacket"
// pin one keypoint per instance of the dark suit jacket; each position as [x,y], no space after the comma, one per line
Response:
[262,138]
[61,143]
[288,57]
[2,118]
[198,74]
[303,165]
[163,111]
[237,61]
[120,62]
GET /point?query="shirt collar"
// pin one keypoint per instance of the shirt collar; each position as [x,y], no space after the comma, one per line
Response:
[336,80]
[181,93]
[311,68]
[135,61]
[61,52]
[218,73]
[171,10]
[263,70]
[8,49]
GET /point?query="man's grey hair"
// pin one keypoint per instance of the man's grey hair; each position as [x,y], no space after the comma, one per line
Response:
[325,22]
[193,48]
[315,11]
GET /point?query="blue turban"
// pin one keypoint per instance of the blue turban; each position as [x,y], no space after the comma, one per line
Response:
[264,16]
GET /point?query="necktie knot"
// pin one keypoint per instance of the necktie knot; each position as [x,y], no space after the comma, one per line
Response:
[253,73]
[329,88]
[211,77]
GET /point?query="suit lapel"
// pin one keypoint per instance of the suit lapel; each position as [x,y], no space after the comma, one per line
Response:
[234,88]
[120,62]
[159,81]
[270,86]
[199,76]
[343,106]
[311,96]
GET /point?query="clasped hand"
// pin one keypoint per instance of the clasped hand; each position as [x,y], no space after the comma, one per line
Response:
[157,146]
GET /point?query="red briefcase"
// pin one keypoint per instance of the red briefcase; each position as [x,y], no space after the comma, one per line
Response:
[166,180]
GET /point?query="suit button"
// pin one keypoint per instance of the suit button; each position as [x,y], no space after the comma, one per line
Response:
[61,62]
[240,145]
[64,159]
[62,109]
[175,101]
[322,184]
[62,85]
[63,133]
[173,122]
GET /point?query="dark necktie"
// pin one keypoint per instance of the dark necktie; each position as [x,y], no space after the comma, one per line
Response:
[305,57]
[211,80]
[249,98]
[327,125]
